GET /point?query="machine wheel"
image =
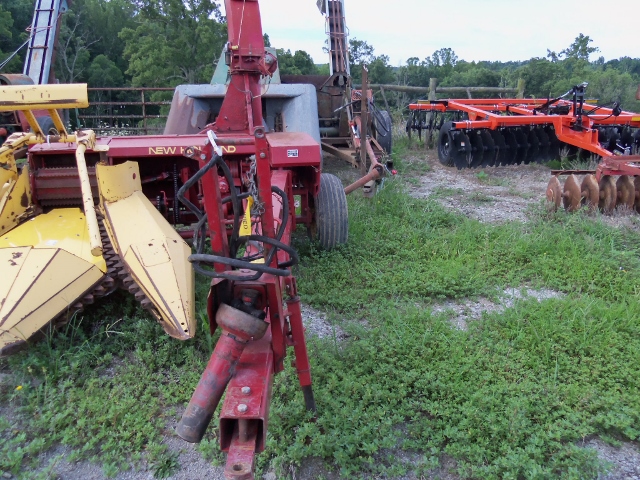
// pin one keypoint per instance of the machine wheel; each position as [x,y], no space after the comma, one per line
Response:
[383,130]
[332,218]
[445,153]
[47,125]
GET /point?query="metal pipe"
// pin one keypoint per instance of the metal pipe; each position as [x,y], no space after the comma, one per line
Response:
[333,131]
[87,201]
[374,174]
[213,383]
[364,119]
[412,89]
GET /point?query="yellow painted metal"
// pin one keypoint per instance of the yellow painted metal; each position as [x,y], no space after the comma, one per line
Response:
[63,228]
[152,251]
[43,97]
[15,199]
[245,225]
[57,121]
[88,139]
[46,266]
[15,188]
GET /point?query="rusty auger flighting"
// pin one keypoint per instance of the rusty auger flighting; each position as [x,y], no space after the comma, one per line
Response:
[67,241]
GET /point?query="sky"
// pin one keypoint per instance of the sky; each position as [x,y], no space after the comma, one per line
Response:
[496,30]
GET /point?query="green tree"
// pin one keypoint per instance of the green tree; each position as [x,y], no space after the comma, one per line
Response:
[176,42]
[73,55]
[103,72]
[614,86]
[540,76]
[16,16]
[360,52]
[299,63]
[6,24]
[579,49]
[380,71]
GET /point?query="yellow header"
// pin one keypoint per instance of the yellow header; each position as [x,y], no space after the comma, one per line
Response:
[43,97]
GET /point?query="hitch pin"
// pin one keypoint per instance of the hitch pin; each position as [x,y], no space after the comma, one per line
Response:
[212,139]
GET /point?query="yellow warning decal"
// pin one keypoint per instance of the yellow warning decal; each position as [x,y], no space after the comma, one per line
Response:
[245,225]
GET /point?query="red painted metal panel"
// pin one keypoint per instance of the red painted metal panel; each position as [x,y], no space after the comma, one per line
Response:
[293,149]
[249,393]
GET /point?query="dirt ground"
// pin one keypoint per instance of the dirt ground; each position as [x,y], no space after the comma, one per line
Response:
[492,195]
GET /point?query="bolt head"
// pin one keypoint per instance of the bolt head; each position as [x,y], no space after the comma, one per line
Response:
[246,390]
[242,408]
[203,156]
[263,155]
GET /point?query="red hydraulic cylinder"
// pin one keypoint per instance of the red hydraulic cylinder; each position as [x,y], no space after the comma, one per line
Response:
[210,389]
[238,329]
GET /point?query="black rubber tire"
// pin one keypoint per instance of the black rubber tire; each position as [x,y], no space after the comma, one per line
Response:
[47,126]
[445,153]
[383,132]
[332,217]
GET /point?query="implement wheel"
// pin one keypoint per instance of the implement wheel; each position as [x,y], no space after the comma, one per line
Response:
[332,218]
[47,126]
[445,152]
[383,130]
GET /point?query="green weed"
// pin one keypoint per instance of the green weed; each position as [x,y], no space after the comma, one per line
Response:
[487,179]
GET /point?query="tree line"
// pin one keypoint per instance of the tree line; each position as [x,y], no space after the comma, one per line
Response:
[164,43]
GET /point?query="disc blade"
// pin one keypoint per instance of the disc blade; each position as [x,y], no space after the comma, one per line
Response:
[477,149]
[461,150]
[490,152]
[534,147]
[626,192]
[523,147]
[554,144]
[554,193]
[512,147]
[544,144]
[590,192]
[608,194]
[501,148]
[571,195]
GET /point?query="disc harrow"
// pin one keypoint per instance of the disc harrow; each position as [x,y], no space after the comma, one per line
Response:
[494,148]
[614,184]
[498,132]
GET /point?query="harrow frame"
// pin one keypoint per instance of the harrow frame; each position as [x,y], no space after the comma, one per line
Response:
[539,126]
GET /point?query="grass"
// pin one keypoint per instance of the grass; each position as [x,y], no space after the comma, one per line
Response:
[488,179]
[514,396]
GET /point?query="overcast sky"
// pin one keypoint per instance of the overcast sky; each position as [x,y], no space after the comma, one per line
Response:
[475,29]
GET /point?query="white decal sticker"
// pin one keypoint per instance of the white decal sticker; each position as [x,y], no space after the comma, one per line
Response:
[292,153]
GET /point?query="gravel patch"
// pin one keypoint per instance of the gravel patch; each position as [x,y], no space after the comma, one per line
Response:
[316,324]
[495,194]
[490,195]
[463,311]
[624,460]
[56,463]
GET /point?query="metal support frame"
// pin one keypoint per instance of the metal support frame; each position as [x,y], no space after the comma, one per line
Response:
[574,128]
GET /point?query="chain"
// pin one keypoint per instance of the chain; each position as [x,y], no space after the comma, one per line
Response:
[250,180]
